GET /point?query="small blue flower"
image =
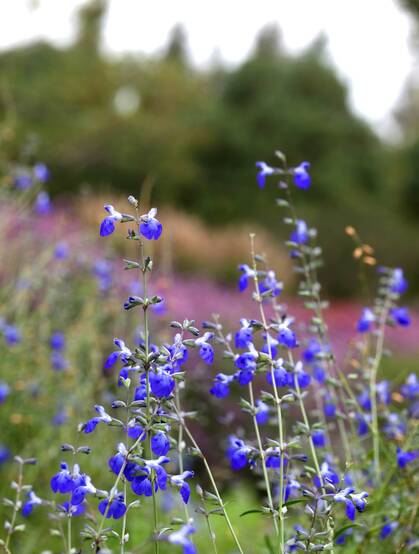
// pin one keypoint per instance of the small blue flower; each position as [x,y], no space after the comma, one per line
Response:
[63,481]
[43,205]
[29,504]
[150,227]
[160,444]
[103,417]
[4,391]
[11,334]
[319,438]
[410,389]
[365,321]
[274,458]
[300,235]
[124,353]
[23,181]
[180,538]
[180,482]
[58,362]
[247,274]
[401,316]
[398,282]
[102,270]
[328,475]
[206,351]
[237,453]
[301,177]
[141,484]
[244,335]
[262,413]
[329,408]
[286,336]
[387,529]
[116,509]
[281,375]
[343,497]
[41,172]
[313,350]
[82,490]
[363,420]
[4,454]
[221,386]
[61,250]
[161,383]
[264,170]
[406,457]
[57,341]
[107,227]
[384,392]
[271,285]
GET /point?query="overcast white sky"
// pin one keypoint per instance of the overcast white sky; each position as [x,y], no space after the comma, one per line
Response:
[368,40]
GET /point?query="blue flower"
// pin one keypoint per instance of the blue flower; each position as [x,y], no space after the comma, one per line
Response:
[237,453]
[281,375]
[61,250]
[160,444]
[398,282]
[300,235]
[244,335]
[351,501]
[221,386]
[401,316]
[304,379]
[11,334]
[150,227]
[41,172]
[271,284]
[264,170]
[81,490]
[384,392]
[286,336]
[206,351]
[161,383]
[58,362]
[314,348]
[4,391]
[387,529]
[102,270]
[406,457]
[124,353]
[23,181]
[273,458]
[32,501]
[180,482]
[363,420]
[107,227]
[271,349]
[141,484]
[57,341]
[115,509]
[71,510]
[103,417]
[247,274]
[180,538]
[329,408]
[262,413]
[365,321]
[43,204]
[319,438]
[301,177]
[328,475]
[410,389]
[63,481]
[4,454]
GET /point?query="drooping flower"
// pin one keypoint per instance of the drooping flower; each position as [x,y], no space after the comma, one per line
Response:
[280,374]
[41,172]
[352,501]
[270,284]
[123,354]
[206,351]
[150,227]
[248,273]
[388,528]
[264,170]
[142,485]
[103,417]
[401,316]
[115,509]
[43,205]
[161,383]
[160,444]
[107,227]
[180,538]
[180,482]
[398,282]
[286,336]
[244,335]
[406,457]
[300,234]
[262,413]
[319,438]
[301,177]
[237,453]
[221,386]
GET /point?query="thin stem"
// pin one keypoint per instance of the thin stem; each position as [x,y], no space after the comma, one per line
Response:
[69,547]
[211,534]
[180,448]
[211,477]
[15,508]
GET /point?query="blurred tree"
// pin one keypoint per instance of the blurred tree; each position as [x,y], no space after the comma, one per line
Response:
[177,49]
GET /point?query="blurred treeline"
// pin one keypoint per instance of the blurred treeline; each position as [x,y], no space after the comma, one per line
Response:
[112,123]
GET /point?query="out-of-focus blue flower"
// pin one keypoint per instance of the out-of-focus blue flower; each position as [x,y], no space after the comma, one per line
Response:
[103,417]
[281,375]
[410,389]
[286,336]
[160,444]
[11,333]
[57,341]
[398,282]
[304,379]
[401,316]
[329,407]
[384,392]
[23,181]
[102,270]
[237,453]
[4,391]
[341,540]
[274,458]
[352,501]
[328,475]
[71,510]
[32,501]
[262,413]
[388,528]
[270,284]
[107,227]
[61,250]
[58,362]
[394,427]
[115,509]
[161,383]
[41,172]
[180,482]
[206,351]
[60,417]
[43,205]
[365,321]
[313,349]
[123,354]
[406,457]
[4,454]
[364,400]
[300,234]
[247,274]
[301,177]
[221,386]
[270,348]
[319,438]
[150,227]
[180,538]
[264,170]
[363,420]
[319,373]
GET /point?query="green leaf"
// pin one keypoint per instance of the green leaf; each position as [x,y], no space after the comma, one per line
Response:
[341,530]
[247,512]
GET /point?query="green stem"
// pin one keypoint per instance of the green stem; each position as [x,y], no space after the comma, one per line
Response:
[69,548]
[180,449]
[211,534]
[15,509]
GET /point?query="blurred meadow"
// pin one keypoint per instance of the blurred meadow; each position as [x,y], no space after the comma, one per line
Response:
[186,137]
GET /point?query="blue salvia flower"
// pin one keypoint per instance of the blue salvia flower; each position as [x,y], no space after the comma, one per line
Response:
[387,529]
[11,334]
[116,509]
[57,341]
[179,481]
[206,351]
[401,316]
[141,484]
[246,363]
[64,481]
[107,227]
[274,458]
[247,274]
[161,382]
[384,392]
[394,427]
[300,234]
[329,408]
[221,386]
[23,181]
[264,170]
[238,453]
[150,227]
[365,321]
[4,454]
[180,538]
[4,391]
[281,375]
[352,501]
[41,172]
[60,417]
[363,420]
[328,475]
[71,510]
[160,444]
[319,438]
[244,335]
[79,493]
[399,284]
[262,414]
[341,540]
[271,284]
[32,501]
[102,270]
[410,389]
[314,348]
[61,250]
[58,362]
[271,348]
[301,177]
[124,353]
[43,205]
[406,457]
[103,417]
[303,378]
[286,336]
